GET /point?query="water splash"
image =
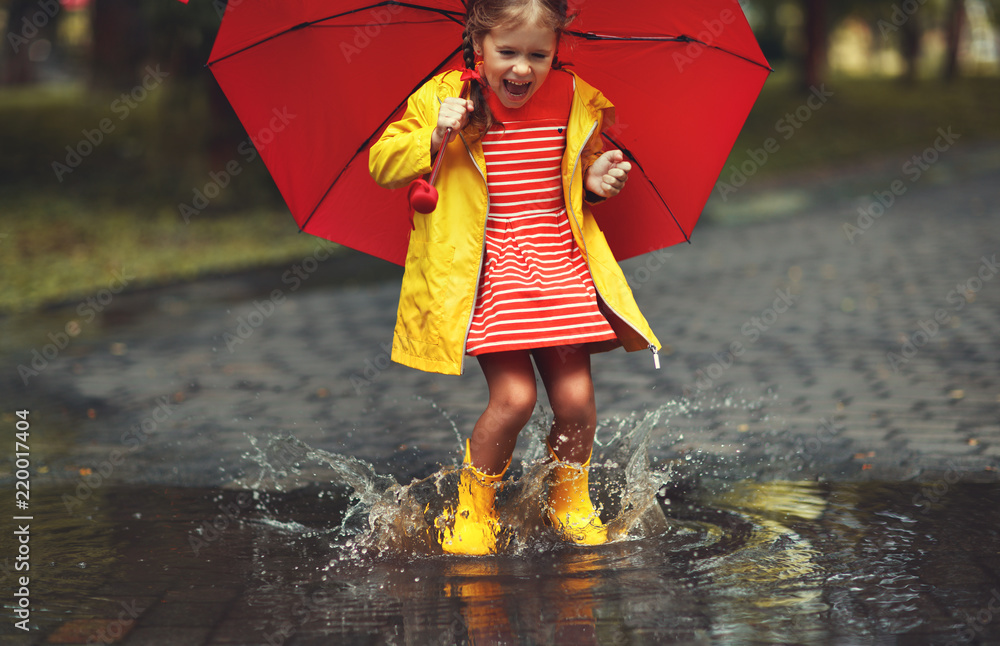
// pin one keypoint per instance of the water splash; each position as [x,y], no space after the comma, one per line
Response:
[372,512]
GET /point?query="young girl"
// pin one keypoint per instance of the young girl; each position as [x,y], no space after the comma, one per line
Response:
[511,267]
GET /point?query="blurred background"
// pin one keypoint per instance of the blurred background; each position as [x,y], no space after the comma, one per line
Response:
[115,137]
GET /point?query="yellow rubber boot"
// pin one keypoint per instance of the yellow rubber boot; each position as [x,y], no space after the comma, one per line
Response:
[476,524]
[572,513]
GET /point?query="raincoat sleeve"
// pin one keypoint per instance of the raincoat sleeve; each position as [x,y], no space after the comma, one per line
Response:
[403,152]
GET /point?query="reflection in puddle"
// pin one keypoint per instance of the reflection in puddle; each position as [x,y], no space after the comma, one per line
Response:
[282,559]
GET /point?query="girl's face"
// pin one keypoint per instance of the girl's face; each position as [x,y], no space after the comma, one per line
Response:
[516,61]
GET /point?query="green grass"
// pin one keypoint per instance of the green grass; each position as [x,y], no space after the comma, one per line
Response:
[865,118]
[63,240]
[57,249]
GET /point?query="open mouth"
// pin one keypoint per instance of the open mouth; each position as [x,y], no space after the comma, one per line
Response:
[516,91]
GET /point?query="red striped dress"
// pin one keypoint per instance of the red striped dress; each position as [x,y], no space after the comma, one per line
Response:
[535,289]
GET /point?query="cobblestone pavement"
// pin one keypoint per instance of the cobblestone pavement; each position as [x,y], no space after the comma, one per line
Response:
[791,343]
[822,345]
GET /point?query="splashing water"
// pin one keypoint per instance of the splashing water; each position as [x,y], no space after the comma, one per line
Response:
[374,513]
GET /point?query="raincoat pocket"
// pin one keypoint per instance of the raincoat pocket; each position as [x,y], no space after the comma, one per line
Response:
[425,282]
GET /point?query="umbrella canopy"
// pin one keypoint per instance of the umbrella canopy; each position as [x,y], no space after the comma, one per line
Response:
[315,83]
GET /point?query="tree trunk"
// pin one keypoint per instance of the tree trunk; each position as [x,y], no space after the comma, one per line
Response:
[956,21]
[814,63]
[119,43]
[28,26]
[912,33]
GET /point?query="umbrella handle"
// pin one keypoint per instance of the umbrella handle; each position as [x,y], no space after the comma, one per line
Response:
[422,194]
[437,162]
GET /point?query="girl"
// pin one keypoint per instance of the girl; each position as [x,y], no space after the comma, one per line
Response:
[511,266]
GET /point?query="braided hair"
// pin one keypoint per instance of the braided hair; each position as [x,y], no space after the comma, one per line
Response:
[482,16]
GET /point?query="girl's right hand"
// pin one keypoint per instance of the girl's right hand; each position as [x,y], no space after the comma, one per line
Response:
[454,113]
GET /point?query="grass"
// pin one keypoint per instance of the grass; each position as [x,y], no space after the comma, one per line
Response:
[118,210]
[57,249]
[864,118]
[63,236]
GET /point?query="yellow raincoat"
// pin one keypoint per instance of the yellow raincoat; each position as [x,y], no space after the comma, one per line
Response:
[445,255]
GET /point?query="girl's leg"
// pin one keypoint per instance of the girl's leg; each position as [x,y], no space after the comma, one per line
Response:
[511,380]
[566,375]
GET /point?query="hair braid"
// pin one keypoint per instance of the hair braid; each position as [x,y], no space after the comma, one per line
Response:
[481,117]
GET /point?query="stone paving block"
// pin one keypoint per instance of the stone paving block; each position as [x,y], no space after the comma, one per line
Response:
[183,613]
[174,636]
[201,594]
[108,630]
[236,632]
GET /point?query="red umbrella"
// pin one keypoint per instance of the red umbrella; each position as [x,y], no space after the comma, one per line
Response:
[315,83]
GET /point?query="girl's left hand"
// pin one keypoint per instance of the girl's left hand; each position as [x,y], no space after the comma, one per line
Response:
[607,176]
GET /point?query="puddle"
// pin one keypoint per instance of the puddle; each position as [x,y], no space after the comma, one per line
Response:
[284,556]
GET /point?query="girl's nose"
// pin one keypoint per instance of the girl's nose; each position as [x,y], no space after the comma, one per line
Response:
[522,68]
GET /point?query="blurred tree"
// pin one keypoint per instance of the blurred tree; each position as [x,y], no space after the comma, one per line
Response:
[128,34]
[911,35]
[956,20]
[119,37]
[814,61]
[30,38]
[181,34]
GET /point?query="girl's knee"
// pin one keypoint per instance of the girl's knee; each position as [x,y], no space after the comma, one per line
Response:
[573,402]
[516,401]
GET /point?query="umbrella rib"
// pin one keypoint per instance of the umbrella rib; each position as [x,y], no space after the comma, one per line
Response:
[451,15]
[378,129]
[666,39]
[628,152]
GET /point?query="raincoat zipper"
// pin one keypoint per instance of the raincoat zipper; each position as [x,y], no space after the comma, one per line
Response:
[579,227]
[482,252]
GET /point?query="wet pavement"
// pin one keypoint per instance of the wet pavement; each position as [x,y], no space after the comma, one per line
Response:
[824,436]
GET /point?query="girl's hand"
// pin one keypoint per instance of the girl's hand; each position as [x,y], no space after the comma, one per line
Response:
[454,113]
[607,176]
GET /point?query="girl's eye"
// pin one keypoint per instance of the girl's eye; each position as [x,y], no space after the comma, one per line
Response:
[506,52]
[540,57]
